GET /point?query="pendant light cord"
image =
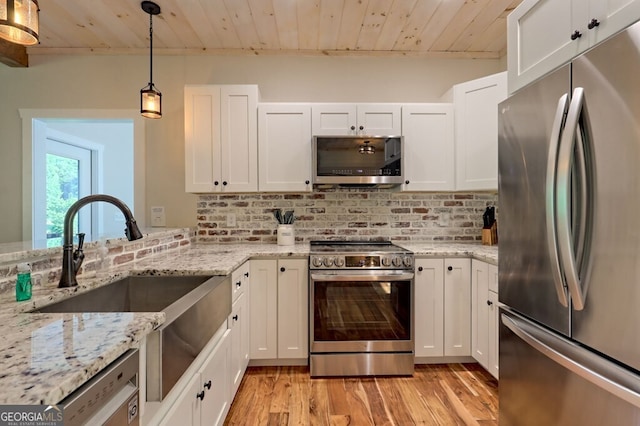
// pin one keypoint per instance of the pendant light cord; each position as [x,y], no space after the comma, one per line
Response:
[151,50]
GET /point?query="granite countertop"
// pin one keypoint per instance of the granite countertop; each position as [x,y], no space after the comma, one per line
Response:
[45,357]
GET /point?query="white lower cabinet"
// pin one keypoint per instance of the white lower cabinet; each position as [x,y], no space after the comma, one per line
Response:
[206,398]
[442,307]
[279,309]
[238,323]
[484,311]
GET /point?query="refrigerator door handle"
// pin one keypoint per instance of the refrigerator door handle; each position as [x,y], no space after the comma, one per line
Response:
[591,367]
[550,211]
[574,260]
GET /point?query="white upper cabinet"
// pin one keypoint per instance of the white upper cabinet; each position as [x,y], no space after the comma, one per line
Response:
[284,147]
[429,163]
[476,131]
[221,138]
[545,34]
[356,119]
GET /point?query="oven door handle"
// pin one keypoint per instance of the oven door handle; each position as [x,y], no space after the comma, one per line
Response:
[363,277]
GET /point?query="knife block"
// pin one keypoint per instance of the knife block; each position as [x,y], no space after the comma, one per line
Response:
[490,235]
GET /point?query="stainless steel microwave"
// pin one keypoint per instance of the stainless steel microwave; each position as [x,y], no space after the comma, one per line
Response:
[358,160]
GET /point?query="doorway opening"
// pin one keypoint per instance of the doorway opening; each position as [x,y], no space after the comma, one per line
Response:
[71,157]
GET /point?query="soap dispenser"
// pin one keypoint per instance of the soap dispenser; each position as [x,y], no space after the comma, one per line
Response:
[23,283]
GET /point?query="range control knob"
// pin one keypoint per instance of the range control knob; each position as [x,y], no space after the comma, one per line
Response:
[397,261]
[408,262]
[386,261]
[339,262]
[328,261]
[316,262]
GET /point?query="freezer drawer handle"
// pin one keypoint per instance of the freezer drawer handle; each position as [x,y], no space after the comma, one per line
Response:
[597,370]
[550,211]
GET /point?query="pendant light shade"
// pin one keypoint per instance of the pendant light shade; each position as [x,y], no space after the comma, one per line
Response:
[150,97]
[19,21]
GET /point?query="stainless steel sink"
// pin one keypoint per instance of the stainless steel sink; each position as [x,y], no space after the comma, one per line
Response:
[131,294]
[194,306]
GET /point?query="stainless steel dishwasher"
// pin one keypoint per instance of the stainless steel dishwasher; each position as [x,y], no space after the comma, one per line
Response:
[109,398]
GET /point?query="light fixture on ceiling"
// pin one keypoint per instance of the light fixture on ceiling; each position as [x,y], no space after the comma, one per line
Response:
[150,97]
[366,148]
[19,21]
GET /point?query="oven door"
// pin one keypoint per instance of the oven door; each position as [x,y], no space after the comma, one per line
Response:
[361,311]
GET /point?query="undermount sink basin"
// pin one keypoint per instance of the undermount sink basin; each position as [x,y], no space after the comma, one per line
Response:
[195,308]
[130,294]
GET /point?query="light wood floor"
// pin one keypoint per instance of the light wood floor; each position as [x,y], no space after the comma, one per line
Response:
[443,394]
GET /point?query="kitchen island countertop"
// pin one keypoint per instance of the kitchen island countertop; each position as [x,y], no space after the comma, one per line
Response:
[45,357]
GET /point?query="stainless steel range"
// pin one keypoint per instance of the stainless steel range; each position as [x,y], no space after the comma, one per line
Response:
[361,309]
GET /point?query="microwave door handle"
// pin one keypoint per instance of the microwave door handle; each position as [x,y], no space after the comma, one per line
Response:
[550,210]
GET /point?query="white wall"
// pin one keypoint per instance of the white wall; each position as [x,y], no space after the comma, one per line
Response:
[115,81]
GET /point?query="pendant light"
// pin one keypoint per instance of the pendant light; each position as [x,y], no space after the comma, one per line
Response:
[150,97]
[19,21]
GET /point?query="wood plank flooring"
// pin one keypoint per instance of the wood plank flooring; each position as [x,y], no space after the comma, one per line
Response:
[440,394]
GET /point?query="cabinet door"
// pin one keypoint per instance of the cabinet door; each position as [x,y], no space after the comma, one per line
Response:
[239,326]
[480,312]
[215,382]
[429,307]
[494,327]
[186,410]
[457,307]
[293,308]
[239,138]
[612,16]
[428,147]
[202,138]
[263,311]
[379,119]
[476,134]
[539,38]
[333,119]
[284,141]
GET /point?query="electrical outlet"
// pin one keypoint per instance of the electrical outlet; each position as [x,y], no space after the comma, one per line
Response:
[158,218]
[231,220]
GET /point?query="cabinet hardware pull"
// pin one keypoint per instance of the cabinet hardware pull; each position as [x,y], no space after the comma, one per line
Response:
[235,318]
[594,23]
[239,283]
[282,269]
[224,182]
[489,303]
[420,268]
[576,35]
[449,268]
[353,127]
[208,385]
[361,127]
[306,182]
[406,182]
[200,395]
[246,274]
[216,183]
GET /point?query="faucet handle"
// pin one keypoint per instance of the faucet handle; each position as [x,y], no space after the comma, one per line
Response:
[80,241]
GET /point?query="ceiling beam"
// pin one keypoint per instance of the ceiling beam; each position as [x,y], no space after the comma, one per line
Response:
[12,54]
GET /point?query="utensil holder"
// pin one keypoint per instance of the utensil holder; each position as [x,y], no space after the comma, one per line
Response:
[490,235]
[286,235]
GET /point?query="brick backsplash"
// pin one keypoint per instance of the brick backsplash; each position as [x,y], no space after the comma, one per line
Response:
[46,264]
[345,213]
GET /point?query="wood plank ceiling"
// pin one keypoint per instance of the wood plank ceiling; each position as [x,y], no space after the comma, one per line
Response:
[439,28]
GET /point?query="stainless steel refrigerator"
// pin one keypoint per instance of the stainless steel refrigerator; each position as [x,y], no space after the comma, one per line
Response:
[569,251]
